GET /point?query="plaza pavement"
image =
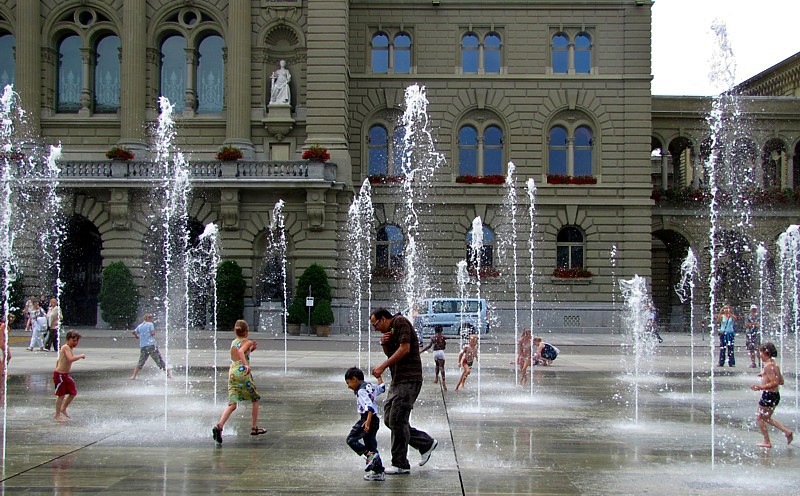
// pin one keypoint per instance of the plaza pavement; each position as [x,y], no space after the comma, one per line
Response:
[575,432]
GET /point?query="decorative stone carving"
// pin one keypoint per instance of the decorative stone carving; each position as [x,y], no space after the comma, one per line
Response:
[229,209]
[280,85]
[315,209]
[118,209]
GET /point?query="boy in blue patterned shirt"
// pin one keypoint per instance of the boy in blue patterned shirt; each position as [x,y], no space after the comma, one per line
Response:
[367,427]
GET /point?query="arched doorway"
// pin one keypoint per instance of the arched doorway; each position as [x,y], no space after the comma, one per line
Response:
[669,249]
[81,272]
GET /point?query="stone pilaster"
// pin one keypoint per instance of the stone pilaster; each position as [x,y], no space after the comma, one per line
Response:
[328,81]
[239,72]
[133,73]
[29,59]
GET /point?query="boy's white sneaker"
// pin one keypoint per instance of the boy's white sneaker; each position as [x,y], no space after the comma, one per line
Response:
[374,476]
[427,455]
[397,471]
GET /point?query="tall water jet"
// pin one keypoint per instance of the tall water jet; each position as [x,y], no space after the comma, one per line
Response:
[531,189]
[277,229]
[789,246]
[476,245]
[419,161]
[176,237]
[638,336]
[359,235]
[204,260]
[685,290]
[761,257]
[510,206]
[462,280]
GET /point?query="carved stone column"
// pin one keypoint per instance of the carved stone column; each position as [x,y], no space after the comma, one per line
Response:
[665,170]
[86,83]
[238,69]
[133,75]
[29,59]
[190,95]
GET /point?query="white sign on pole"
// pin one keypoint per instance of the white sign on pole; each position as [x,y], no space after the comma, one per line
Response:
[310,301]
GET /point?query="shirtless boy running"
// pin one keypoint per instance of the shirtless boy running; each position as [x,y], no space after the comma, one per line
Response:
[439,343]
[467,358]
[771,380]
[65,386]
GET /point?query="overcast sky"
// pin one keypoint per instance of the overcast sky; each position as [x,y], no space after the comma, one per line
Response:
[761,34]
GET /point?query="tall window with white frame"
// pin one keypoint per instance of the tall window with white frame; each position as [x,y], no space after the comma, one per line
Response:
[210,75]
[196,71]
[571,55]
[481,56]
[8,67]
[480,154]
[172,83]
[391,54]
[570,151]
[570,248]
[106,75]
[70,74]
[389,247]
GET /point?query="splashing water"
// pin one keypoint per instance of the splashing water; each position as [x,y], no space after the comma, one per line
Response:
[204,260]
[761,257]
[531,188]
[359,235]
[477,252]
[789,247]
[278,247]
[688,272]
[639,337]
[462,279]
[510,206]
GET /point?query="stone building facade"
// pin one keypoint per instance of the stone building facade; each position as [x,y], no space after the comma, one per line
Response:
[560,88]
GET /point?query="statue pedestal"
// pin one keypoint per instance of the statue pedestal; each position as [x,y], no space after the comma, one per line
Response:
[279,120]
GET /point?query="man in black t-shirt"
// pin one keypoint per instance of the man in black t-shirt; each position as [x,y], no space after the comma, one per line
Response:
[401,347]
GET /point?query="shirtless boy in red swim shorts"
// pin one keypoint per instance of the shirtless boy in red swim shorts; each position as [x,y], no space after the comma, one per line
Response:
[65,386]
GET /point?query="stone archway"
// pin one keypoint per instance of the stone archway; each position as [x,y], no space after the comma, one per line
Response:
[81,272]
[669,249]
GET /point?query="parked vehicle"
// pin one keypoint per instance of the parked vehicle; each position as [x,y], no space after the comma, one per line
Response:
[456,316]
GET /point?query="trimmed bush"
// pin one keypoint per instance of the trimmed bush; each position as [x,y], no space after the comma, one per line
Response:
[297,312]
[322,313]
[230,294]
[315,277]
[119,299]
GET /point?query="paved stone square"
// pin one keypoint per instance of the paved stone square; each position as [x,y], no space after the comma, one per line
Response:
[574,434]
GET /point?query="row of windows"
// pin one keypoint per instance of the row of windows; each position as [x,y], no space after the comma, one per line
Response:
[481,149]
[389,248]
[480,54]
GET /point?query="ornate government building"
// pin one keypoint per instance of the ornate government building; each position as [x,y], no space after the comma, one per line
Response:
[560,88]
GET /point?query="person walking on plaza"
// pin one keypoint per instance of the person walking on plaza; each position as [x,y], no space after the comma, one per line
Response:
[54,318]
[241,386]
[439,343]
[146,333]
[28,313]
[38,324]
[771,380]
[367,426]
[727,334]
[401,347]
[752,330]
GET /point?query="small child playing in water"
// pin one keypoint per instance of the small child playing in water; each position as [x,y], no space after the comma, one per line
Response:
[369,423]
[65,386]
[771,380]
[241,386]
[467,358]
[439,343]
[524,355]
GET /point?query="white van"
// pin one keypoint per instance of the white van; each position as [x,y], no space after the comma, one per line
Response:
[456,316]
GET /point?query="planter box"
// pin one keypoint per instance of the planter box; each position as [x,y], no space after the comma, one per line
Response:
[322,330]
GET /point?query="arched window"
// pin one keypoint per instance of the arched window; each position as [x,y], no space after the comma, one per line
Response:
[7,60]
[560,53]
[583,54]
[402,53]
[557,151]
[70,74]
[389,247]
[378,147]
[173,70]
[106,75]
[569,248]
[210,80]
[487,250]
[491,53]
[492,151]
[583,152]
[380,53]
[467,151]
[469,53]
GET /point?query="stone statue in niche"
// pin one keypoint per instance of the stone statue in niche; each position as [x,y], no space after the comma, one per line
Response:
[280,85]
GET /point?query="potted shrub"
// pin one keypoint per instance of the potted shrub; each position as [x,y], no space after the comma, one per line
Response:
[118,297]
[229,153]
[296,315]
[119,153]
[315,278]
[230,294]
[316,153]
[322,317]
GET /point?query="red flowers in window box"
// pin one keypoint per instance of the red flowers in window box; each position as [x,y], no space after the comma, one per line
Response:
[316,153]
[394,273]
[557,179]
[119,153]
[573,273]
[486,272]
[12,156]
[493,179]
[227,153]
[381,179]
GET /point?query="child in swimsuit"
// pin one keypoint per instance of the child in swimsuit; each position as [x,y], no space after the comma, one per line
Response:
[466,358]
[439,343]
[65,386]
[771,380]
[524,355]
[545,352]
[241,386]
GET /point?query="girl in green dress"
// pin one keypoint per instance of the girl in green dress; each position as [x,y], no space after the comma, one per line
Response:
[240,381]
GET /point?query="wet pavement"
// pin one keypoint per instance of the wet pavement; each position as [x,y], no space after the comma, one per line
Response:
[575,432]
